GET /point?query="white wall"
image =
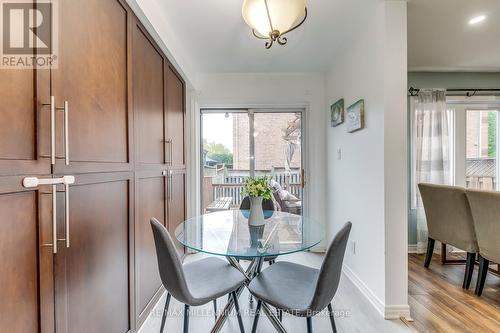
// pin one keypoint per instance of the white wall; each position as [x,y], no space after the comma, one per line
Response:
[367,186]
[279,90]
[396,162]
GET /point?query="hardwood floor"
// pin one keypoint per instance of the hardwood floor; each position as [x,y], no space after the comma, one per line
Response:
[439,304]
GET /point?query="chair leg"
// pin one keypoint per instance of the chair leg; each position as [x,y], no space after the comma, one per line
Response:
[238,313]
[165,311]
[430,250]
[309,325]
[469,269]
[257,314]
[332,318]
[186,318]
[481,276]
[215,309]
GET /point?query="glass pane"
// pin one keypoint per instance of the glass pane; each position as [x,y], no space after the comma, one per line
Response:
[481,148]
[278,139]
[227,233]
[225,158]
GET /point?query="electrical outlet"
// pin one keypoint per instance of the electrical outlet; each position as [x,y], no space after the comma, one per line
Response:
[353,247]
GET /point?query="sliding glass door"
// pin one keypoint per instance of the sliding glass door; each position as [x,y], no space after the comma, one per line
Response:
[241,143]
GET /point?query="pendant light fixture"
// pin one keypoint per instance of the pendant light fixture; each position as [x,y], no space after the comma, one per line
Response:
[272,19]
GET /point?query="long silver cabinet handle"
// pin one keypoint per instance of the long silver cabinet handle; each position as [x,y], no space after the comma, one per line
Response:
[31,182]
[53,109]
[66,211]
[65,108]
[54,218]
[170,173]
[171,151]
[169,142]
[52,105]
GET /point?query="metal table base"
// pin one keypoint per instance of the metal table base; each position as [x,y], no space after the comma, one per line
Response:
[253,270]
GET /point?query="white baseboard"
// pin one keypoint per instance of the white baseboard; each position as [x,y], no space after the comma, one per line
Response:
[412,248]
[397,311]
[386,311]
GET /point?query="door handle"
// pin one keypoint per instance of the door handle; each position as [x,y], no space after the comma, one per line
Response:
[31,182]
[169,195]
[54,219]
[65,109]
[169,142]
[168,174]
[52,105]
[53,109]
[66,211]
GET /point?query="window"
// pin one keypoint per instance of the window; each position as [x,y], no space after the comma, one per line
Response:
[476,141]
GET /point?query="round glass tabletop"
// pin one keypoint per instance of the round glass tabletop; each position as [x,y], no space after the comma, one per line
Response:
[227,233]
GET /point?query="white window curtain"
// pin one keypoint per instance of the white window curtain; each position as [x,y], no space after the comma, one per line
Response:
[431,153]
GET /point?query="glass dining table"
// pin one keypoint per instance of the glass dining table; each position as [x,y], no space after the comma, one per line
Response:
[228,234]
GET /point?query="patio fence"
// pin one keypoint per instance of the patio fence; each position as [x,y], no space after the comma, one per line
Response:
[230,184]
[481,173]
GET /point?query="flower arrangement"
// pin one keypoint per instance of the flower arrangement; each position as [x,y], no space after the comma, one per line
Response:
[257,187]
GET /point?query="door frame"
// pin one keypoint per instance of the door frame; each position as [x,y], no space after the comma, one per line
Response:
[303,109]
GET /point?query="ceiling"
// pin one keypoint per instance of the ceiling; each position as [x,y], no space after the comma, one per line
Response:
[214,34]
[440,37]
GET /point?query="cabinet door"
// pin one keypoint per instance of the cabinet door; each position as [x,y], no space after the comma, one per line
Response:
[150,202]
[26,266]
[24,122]
[148,95]
[175,119]
[92,274]
[92,75]
[176,197]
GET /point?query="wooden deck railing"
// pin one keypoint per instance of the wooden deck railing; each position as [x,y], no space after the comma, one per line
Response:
[231,185]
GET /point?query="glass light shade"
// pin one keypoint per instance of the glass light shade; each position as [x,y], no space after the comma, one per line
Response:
[284,14]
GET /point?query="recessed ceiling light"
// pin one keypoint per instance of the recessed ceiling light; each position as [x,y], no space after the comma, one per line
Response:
[477,19]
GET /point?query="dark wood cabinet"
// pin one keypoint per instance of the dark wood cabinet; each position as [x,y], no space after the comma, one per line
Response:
[149,99]
[176,183]
[158,95]
[26,281]
[125,115]
[24,122]
[92,274]
[174,120]
[92,76]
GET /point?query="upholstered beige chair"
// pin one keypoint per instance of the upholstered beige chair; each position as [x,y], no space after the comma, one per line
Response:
[485,208]
[449,220]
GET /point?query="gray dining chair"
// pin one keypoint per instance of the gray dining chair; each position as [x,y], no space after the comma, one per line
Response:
[485,206]
[196,283]
[301,290]
[449,220]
